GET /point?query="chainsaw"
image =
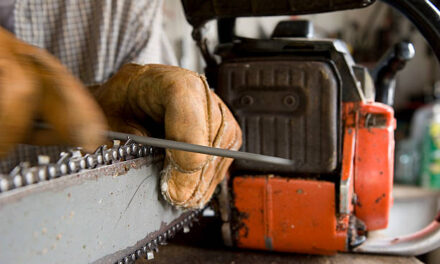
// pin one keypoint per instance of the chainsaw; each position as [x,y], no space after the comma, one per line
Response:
[305,99]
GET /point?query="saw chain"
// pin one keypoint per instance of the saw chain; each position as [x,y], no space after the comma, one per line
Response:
[74,161]
[184,224]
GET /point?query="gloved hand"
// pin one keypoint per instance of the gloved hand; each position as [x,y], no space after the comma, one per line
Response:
[34,85]
[190,112]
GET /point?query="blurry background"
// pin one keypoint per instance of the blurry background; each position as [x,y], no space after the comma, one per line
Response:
[369,33]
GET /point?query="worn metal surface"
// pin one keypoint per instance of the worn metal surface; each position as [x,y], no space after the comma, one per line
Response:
[96,215]
[288,215]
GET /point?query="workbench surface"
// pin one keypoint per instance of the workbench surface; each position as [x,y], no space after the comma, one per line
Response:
[174,253]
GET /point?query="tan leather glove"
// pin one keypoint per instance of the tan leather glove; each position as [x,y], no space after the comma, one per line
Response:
[33,84]
[190,111]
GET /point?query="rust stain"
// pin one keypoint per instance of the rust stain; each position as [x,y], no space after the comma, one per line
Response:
[380,198]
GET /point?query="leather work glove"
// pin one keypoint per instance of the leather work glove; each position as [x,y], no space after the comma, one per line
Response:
[34,85]
[189,111]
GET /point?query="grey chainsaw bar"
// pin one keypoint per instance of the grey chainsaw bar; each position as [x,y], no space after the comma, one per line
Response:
[110,214]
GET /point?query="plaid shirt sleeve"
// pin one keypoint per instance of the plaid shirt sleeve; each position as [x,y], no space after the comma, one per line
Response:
[94,38]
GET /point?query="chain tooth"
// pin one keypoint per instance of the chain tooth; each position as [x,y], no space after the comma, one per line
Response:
[138,253]
[30,177]
[99,159]
[43,173]
[144,249]
[91,161]
[134,149]
[73,167]
[121,151]
[126,260]
[115,154]
[63,169]
[5,184]
[53,172]
[107,157]
[145,151]
[18,181]
[121,262]
[127,149]
[83,163]
[72,162]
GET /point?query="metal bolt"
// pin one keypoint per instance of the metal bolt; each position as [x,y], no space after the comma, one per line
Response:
[290,101]
[354,199]
[247,100]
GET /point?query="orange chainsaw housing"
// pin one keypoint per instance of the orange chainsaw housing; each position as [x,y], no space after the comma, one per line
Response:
[293,214]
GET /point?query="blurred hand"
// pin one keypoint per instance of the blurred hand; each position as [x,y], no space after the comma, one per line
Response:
[34,85]
[189,111]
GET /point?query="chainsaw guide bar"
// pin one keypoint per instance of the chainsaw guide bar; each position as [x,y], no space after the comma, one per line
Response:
[104,207]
